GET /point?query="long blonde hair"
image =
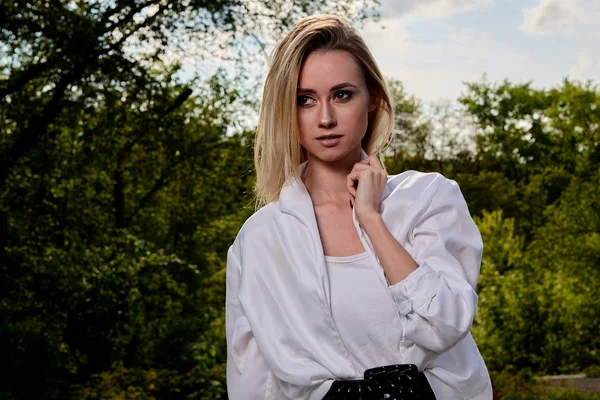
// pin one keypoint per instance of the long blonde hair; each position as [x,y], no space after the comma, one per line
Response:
[277,151]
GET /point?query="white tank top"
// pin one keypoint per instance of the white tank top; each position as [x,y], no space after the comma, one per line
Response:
[368,322]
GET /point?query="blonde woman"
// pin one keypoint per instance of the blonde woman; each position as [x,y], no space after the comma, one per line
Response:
[347,283]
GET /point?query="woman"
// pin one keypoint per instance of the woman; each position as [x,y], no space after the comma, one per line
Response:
[347,280]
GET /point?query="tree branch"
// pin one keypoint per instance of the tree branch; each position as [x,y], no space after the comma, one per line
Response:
[169,170]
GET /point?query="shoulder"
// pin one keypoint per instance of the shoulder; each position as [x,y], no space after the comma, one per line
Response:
[261,219]
[417,185]
[260,223]
[412,193]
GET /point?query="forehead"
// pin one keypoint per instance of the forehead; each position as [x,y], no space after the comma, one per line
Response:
[322,70]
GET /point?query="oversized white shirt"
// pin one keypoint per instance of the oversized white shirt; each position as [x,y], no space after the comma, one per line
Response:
[282,340]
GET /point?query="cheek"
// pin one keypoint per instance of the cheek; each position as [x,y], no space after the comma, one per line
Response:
[357,118]
[303,119]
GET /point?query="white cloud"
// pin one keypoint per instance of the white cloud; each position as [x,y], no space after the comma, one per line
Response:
[435,70]
[577,19]
[551,17]
[429,9]
[435,63]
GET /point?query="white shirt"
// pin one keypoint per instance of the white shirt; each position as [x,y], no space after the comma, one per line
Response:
[368,324]
[282,338]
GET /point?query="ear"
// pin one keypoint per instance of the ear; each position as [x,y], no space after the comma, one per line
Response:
[373,102]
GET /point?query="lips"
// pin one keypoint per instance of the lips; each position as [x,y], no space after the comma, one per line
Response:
[329,140]
[325,137]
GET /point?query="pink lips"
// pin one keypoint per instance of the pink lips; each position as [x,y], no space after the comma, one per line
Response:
[330,142]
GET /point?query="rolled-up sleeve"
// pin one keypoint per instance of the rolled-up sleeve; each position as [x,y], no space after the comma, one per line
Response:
[437,301]
[248,375]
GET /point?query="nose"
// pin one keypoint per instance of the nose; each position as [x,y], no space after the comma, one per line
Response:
[326,117]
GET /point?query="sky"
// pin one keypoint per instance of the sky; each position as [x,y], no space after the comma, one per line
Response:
[434,46]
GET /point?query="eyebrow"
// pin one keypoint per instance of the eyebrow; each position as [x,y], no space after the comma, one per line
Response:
[332,89]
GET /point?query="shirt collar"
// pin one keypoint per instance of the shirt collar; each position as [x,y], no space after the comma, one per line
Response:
[294,198]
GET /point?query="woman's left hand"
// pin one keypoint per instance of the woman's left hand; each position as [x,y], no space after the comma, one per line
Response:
[371,179]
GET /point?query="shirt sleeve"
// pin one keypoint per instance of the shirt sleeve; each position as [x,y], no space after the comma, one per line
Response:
[248,375]
[437,301]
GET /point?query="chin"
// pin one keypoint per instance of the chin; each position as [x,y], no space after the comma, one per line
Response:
[331,154]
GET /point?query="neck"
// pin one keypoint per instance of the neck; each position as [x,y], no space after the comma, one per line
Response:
[326,181]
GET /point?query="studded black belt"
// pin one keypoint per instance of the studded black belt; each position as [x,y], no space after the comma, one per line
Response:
[390,382]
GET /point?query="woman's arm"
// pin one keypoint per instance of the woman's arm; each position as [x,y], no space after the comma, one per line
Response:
[248,375]
[397,263]
[434,289]
[256,369]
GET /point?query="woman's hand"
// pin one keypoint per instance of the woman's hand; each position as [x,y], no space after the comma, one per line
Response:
[366,183]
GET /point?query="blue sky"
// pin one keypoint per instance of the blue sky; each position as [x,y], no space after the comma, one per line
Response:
[433,46]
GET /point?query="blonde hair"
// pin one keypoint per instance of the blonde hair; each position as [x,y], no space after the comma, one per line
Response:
[277,151]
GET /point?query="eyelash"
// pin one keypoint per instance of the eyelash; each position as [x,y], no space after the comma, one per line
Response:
[347,95]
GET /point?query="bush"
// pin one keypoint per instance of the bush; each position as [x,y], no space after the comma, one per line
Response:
[509,385]
[121,320]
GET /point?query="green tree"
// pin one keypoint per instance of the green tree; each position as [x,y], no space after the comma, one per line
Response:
[121,187]
[565,253]
[523,130]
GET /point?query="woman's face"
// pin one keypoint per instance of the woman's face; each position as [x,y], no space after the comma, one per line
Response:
[333,105]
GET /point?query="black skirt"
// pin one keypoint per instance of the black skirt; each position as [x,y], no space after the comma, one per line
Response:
[390,382]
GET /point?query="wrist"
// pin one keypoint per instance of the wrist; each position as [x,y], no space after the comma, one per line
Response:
[369,220]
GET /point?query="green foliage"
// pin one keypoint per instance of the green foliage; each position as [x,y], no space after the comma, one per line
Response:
[122,304]
[538,304]
[513,385]
[592,371]
[524,130]
[504,335]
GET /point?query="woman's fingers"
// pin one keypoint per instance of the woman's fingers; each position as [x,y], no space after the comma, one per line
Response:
[353,176]
[374,178]
[360,167]
[371,161]
[379,172]
[351,181]
[370,169]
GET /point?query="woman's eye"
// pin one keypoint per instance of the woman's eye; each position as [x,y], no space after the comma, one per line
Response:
[343,95]
[304,100]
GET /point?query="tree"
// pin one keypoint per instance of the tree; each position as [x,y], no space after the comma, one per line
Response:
[427,138]
[524,130]
[121,186]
